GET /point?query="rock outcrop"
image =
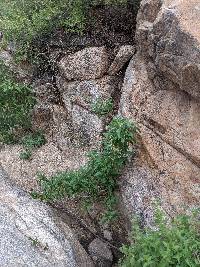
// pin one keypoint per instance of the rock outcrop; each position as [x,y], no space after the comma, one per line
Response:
[84,79]
[161,93]
[32,235]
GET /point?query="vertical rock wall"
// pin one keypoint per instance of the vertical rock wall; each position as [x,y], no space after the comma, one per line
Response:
[161,92]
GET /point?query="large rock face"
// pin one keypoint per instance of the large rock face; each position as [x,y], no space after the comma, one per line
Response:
[170,43]
[32,235]
[161,92]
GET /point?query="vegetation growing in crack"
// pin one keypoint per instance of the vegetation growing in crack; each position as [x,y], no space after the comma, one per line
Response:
[16,103]
[96,180]
[36,243]
[103,107]
[30,142]
[24,22]
[177,244]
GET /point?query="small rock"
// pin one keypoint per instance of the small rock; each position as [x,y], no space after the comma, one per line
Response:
[89,63]
[100,253]
[107,235]
[124,54]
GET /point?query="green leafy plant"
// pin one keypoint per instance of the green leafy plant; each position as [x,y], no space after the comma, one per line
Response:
[25,155]
[102,107]
[97,179]
[31,142]
[174,245]
[24,22]
[110,213]
[16,103]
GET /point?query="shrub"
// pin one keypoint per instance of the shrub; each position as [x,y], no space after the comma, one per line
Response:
[23,22]
[16,102]
[25,155]
[103,107]
[98,177]
[177,245]
[31,142]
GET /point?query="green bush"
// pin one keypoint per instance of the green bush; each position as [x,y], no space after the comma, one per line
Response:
[16,102]
[98,177]
[175,245]
[33,140]
[23,22]
[30,142]
[25,155]
[103,107]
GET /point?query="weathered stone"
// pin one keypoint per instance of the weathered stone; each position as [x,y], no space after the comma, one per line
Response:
[87,125]
[41,116]
[45,92]
[32,235]
[139,191]
[161,93]
[148,11]
[107,235]
[179,175]
[168,37]
[62,128]
[100,253]
[123,56]
[85,93]
[169,134]
[78,98]
[89,63]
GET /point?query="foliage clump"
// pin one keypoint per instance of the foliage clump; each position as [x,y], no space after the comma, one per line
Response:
[174,245]
[24,22]
[16,102]
[98,178]
[30,142]
[103,107]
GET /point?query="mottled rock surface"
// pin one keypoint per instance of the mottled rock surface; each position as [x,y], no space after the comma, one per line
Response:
[86,93]
[169,40]
[89,126]
[79,98]
[32,235]
[139,189]
[123,56]
[100,253]
[48,159]
[89,63]
[161,93]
